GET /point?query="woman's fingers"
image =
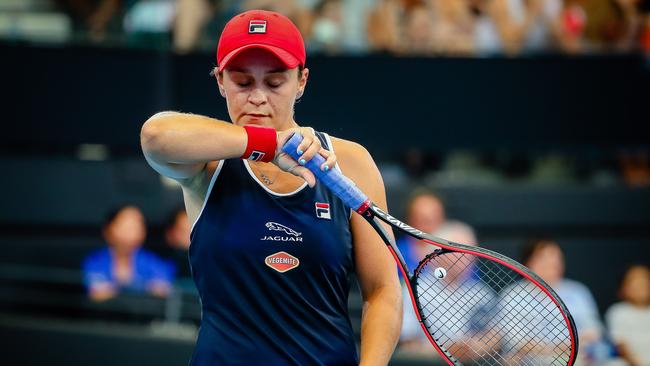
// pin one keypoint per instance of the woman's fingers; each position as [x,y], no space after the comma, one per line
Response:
[330,160]
[305,174]
[307,138]
[307,149]
[309,146]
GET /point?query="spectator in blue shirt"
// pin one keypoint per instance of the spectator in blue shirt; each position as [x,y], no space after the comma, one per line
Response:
[123,266]
[545,257]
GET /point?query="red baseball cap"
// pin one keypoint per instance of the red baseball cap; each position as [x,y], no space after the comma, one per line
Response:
[268,30]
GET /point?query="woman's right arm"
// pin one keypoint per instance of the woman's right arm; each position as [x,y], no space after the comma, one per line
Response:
[178,145]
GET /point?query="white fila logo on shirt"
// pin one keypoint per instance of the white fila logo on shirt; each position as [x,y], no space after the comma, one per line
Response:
[257,26]
[323,211]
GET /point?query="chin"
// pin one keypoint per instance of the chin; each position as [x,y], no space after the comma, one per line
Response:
[267,122]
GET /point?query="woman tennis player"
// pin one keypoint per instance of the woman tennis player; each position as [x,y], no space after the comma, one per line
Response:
[271,257]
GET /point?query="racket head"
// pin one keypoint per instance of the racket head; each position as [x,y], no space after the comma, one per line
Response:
[483,308]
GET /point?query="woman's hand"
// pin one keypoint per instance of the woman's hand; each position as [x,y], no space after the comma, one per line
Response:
[308,148]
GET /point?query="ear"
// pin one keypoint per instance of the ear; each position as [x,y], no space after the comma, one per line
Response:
[219,76]
[302,83]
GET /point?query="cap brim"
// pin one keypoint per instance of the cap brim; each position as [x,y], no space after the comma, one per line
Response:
[289,60]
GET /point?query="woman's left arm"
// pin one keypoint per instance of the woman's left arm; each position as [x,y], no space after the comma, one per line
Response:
[376,271]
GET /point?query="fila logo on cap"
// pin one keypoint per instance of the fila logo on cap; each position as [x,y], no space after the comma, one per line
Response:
[257,26]
[323,211]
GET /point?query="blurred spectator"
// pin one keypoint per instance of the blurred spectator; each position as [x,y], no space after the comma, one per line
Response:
[383,26]
[568,28]
[618,24]
[424,211]
[297,10]
[92,16]
[417,36]
[355,19]
[635,168]
[403,27]
[453,27]
[645,26]
[605,23]
[515,26]
[123,265]
[327,29]
[629,320]
[413,340]
[634,23]
[177,239]
[149,23]
[191,18]
[545,257]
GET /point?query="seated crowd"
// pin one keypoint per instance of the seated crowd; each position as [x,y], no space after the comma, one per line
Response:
[398,27]
[124,266]
[623,341]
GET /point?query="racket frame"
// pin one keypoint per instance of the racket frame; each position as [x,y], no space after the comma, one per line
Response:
[372,212]
[352,196]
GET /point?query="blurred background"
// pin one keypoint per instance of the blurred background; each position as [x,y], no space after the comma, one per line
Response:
[516,124]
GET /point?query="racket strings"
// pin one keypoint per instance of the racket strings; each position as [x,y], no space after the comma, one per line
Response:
[545,307]
[454,298]
[529,328]
[485,313]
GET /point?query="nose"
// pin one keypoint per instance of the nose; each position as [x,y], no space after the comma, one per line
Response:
[257,97]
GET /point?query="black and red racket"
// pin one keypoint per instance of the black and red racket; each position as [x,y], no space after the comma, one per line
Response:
[475,306]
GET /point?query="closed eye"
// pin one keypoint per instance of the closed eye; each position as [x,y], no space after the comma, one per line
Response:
[275,82]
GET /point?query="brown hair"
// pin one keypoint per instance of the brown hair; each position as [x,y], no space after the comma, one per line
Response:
[534,245]
[421,192]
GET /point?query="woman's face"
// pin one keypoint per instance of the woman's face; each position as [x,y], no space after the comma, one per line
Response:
[548,263]
[426,213]
[260,90]
[636,286]
[127,231]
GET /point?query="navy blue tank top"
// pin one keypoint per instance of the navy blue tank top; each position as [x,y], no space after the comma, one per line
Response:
[272,271]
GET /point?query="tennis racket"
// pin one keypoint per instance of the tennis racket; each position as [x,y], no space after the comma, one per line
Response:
[474,305]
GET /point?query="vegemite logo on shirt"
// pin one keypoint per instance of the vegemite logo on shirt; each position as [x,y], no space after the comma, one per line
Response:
[282,261]
[286,233]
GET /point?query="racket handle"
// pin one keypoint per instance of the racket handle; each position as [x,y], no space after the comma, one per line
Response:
[333,179]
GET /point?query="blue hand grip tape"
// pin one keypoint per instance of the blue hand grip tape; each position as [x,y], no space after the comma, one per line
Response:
[339,184]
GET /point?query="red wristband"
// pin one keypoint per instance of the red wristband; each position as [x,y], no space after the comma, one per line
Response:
[262,142]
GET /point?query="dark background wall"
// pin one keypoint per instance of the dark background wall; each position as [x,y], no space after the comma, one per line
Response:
[59,96]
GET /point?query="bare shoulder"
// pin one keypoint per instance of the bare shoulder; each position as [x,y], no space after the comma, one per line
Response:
[351,154]
[357,163]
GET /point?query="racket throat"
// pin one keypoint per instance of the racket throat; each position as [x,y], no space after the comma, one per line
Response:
[365,206]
